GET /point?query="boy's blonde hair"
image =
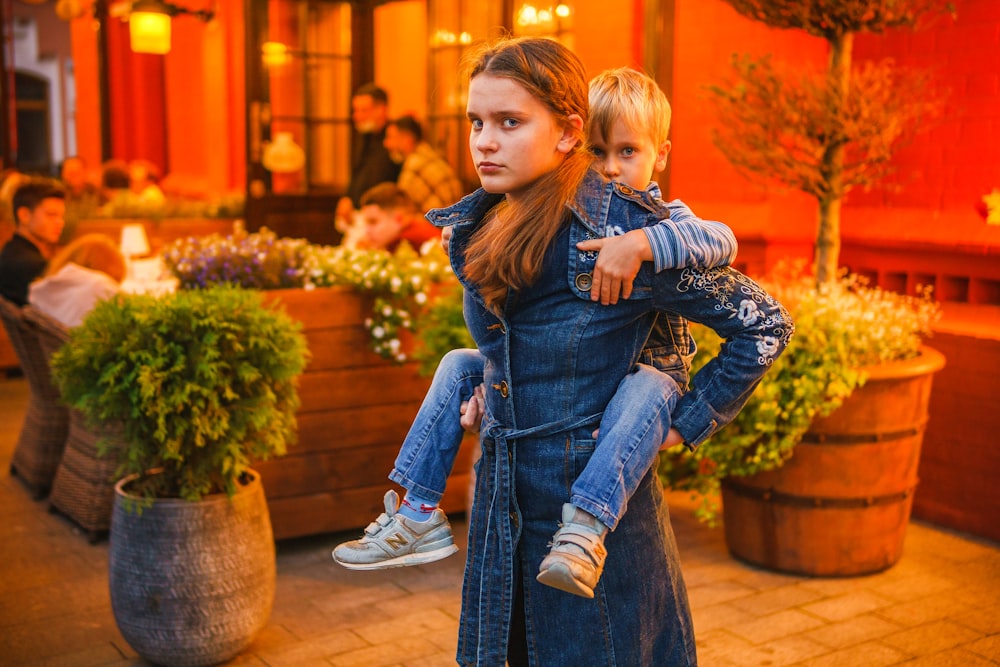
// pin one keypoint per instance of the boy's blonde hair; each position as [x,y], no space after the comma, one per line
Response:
[633,97]
[91,251]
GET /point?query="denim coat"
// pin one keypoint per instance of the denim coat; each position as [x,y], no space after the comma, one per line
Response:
[553,361]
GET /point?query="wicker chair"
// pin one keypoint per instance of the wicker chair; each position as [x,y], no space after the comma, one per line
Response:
[46,421]
[84,486]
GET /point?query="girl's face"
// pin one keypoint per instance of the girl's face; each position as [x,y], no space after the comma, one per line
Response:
[628,156]
[515,139]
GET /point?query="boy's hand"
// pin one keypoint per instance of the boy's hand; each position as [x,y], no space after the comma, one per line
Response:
[618,262]
[473,410]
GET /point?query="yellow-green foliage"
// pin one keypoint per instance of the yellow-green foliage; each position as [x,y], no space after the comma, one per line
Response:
[840,328]
[204,383]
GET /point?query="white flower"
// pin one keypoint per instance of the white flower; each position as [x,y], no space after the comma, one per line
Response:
[748,312]
[378,332]
[767,346]
[420,298]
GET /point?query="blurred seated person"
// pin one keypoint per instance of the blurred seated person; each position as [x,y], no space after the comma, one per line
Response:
[391,217]
[115,180]
[425,175]
[39,207]
[76,180]
[144,182]
[370,161]
[88,270]
[83,197]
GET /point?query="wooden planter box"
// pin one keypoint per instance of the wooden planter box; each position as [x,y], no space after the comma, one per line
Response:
[159,232]
[356,409]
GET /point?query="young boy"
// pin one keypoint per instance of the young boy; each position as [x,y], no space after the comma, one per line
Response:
[391,217]
[39,212]
[630,119]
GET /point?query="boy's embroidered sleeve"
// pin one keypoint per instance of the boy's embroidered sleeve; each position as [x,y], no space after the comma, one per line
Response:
[756,329]
[685,240]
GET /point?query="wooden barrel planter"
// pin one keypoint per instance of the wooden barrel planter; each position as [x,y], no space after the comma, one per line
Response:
[841,504]
[356,409]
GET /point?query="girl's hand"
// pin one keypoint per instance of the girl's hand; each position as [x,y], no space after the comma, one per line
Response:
[674,437]
[472,410]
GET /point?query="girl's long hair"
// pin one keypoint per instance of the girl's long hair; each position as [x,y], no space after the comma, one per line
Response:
[508,251]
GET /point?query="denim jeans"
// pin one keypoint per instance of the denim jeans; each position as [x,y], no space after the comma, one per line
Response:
[634,426]
[428,452]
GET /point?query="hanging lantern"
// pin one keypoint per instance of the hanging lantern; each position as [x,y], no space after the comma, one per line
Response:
[149,28]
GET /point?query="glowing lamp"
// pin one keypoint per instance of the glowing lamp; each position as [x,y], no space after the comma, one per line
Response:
[283,155]
[149,29]
[134,242]
[149,24]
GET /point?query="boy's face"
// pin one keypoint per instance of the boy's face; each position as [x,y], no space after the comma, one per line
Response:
[45,223]
[382,227]
[628,156]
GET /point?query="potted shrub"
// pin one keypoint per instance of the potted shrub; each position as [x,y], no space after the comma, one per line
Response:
[839,503]
[359,310]
[818,470]
[202,384]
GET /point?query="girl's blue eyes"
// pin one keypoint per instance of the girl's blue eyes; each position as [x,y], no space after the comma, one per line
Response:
[508,123]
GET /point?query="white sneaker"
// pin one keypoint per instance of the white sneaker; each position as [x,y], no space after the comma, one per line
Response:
[395,541]
[576,560]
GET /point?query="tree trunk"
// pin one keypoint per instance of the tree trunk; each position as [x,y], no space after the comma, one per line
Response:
[828,233]
[827,241]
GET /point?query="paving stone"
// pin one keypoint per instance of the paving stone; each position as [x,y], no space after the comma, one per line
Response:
[931,638]
[850,604]
[775,626]
[768,602]
[925,610]
[386,654]
[953,658]
[853,631]
[869,654]
[718,616]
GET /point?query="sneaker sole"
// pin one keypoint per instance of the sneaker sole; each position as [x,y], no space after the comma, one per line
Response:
[560,578]
[401,561]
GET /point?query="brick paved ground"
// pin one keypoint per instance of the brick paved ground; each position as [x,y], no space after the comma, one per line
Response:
[938,607]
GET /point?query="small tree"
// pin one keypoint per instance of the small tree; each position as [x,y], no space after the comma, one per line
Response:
[826,132]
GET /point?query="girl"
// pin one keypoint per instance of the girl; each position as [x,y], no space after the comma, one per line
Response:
[554,359]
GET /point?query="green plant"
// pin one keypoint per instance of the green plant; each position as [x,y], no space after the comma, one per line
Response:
[840,328]
[130,205]
[399,283]
[824,133]
[203,382]
[441,328]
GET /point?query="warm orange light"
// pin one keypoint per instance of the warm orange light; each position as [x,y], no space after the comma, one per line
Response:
[274,54]
[149,32]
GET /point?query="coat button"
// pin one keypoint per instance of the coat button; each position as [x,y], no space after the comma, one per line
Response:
[503,388]
[625,190]
[584,281]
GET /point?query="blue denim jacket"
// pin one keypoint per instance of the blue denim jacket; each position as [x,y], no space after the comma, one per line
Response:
[554,359]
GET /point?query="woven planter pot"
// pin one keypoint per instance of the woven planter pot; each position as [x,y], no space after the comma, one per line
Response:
[841,504]
[192,583]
